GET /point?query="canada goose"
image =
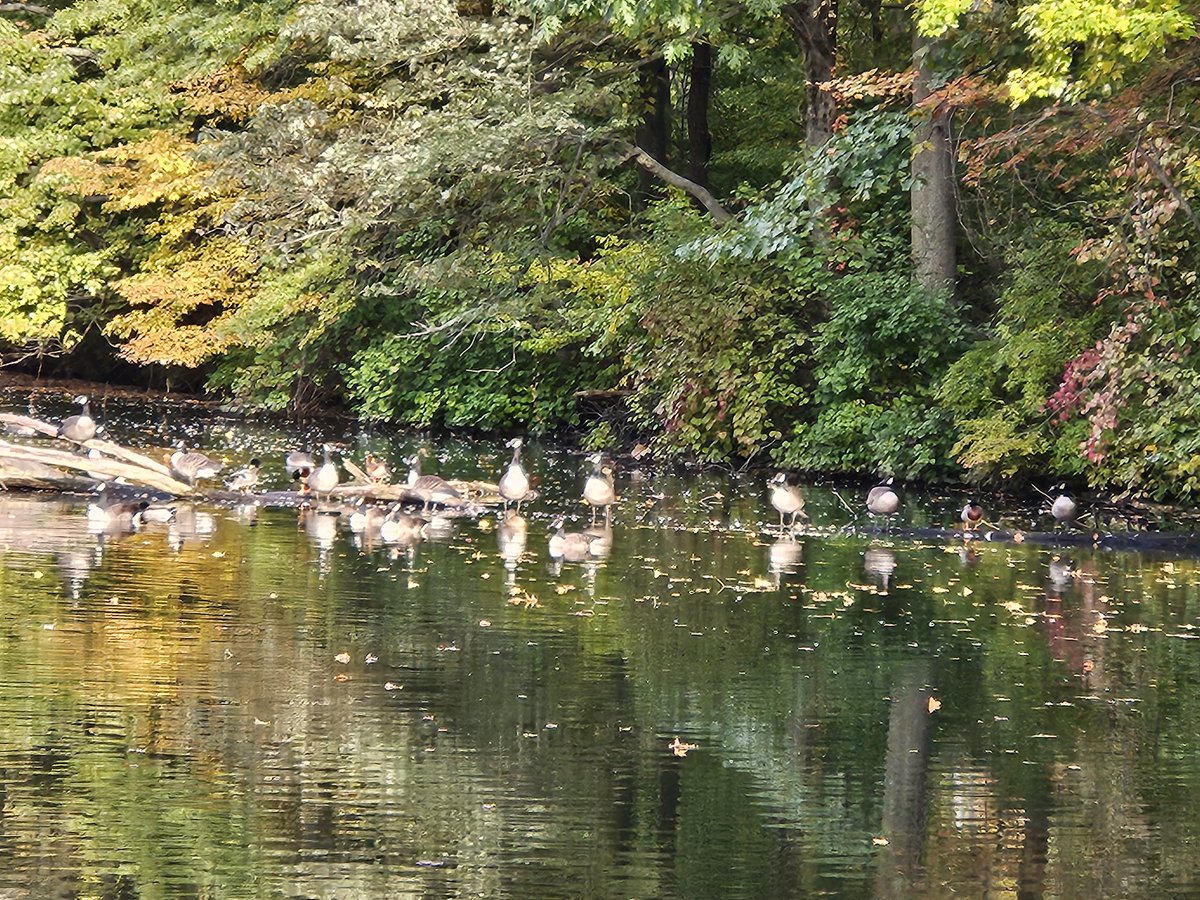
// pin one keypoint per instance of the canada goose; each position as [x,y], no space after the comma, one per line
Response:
[193,465]
[786,499]
[245,479]
[571,546]
[1063,507]
[971,515]
[882,500]
[514,483]
[79,428]
[598,489]
[324,478]
[299,465]
[430,488]
[378,471]
[366,517]
[398,528]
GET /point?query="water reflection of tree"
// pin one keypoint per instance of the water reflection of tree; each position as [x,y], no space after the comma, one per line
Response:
[195,726]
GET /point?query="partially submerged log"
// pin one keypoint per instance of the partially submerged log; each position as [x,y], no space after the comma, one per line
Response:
[134,473]
[28,466]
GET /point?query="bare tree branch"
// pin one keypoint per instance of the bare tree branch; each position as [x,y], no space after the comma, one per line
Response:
[707,200]
[1173,189]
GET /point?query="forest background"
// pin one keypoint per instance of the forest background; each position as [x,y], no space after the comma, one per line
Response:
[941,241]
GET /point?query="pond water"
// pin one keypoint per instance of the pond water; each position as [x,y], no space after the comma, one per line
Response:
[248,703]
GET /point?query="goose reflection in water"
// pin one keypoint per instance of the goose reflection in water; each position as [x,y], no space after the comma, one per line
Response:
[190,527]
[512,536]
[880,564]
[785,557]
[76,565]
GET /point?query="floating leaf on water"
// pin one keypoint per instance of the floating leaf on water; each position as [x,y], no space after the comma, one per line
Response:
[343,657]
[370,659]
[680,748]
[880,841]
[485,623]
[341,676]
[934,704]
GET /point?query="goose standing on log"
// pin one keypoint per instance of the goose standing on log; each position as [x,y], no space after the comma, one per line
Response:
[430,488]
[81,427]
[324,478]
[514,483]
[193,465]
[1063,507]
[598,490]
[786,499]
[882,500]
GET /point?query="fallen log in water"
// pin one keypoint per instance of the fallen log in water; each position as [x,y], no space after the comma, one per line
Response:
[28,466]
[133,472]
[1144,541]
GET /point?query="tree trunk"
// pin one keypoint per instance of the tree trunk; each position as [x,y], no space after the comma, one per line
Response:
[699,91]
[654,79]
[814,24]
[932,197]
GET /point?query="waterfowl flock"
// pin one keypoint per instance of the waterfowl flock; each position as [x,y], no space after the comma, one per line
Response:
[393,523]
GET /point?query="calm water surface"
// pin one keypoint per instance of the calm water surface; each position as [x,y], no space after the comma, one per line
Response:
[254,703]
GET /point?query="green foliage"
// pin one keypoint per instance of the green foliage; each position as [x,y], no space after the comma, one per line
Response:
[1079,47]
[874,362]
[425,211]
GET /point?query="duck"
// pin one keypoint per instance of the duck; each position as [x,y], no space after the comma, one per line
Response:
[193,465]
[514,483]
[786,499]
[572,546]
[81,427]
[245,479]
[324,478]
[430,488]
[377,469]
[113,512]
[299,465]
[598,490]
[398,528]
[1063,507]
[971,515]
[882,500]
